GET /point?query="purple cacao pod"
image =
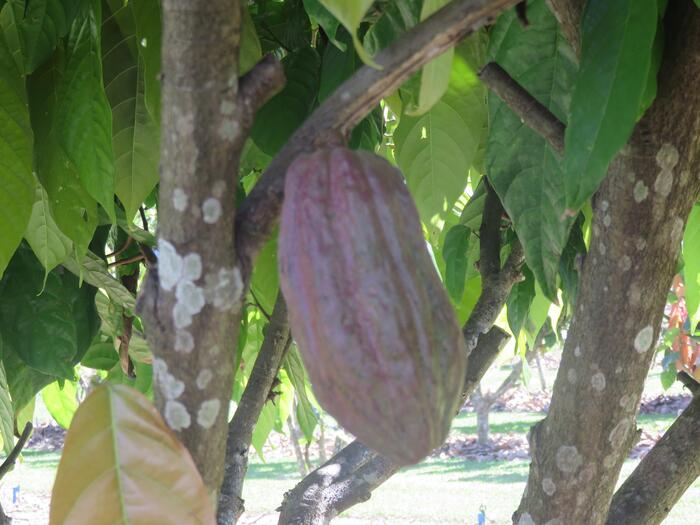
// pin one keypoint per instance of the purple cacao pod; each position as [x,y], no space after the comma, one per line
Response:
[373,322]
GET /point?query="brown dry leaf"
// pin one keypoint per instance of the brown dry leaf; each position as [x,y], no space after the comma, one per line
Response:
[121,464]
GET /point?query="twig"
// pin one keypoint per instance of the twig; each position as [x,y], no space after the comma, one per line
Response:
[689,382]
[144,221]
[14,454]
[121,250]
[533,114]
[350,103]
[128,260]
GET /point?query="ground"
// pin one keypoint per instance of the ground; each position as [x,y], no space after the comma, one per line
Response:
[448,488]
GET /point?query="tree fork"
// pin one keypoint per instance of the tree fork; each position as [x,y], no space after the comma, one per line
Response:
[639,217]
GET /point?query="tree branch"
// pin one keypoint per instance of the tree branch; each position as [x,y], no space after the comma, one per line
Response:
[534,115]
[16,450]
[496,282]
[664,474]
[569,13]
[350,103]
[240,430]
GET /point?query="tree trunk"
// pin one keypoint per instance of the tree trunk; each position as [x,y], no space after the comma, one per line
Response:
[483,409]
[294,438]
[639,215]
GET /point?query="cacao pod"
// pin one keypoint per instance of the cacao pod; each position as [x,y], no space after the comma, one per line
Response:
[373,322]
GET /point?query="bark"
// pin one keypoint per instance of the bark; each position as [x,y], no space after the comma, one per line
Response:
[639,215]
[351,475]
[568,13]
[256,393]
[663,475]
[192,298]
[350,103]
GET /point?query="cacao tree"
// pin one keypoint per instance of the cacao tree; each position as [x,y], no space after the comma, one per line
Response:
[444,162]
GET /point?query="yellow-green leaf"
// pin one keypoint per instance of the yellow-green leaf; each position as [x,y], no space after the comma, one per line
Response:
[121,464]
[435,76]
[350,14]
[61,402]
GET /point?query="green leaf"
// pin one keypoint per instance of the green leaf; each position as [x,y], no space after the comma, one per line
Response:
[536,317]
[43,235]
[397,17]
[325,19]
[435,76]
[100,356]
[350,14]
[7,414]
[39,24]
[74,211]
[616,50]
[147,16]
[263,427]
[436,150]
[49,332]
[93,270]
[143,382]
[16,180]
[61,402]
[135,133]
[568,265]
[524,170]
[691,270]
[282,25]
[289,108]
[83,118]
[519,301]
[24,383]
[265,282]
[294,367]
[454,252]
[250,51]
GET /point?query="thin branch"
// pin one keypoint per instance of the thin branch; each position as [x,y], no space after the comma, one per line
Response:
[533,114]
[496,282]
[350,103]
[144,220]
[568,13]
[129,260]
[17,449]
[664,474]
[121,250]
[689,382]
[240,430]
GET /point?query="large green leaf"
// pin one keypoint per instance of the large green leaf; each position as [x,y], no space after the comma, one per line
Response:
[289,108]
[524,170]
[101,356]
[264,282]
[74,211]
[6,411]
[50,246]
[519,301]
[83,120]
[51,331]
[616,50]
[282,25]
[16,180]
[691,270]
[435,76]
[436,150]
[350,14]
[396,18]
[135,133]
[61,401]
[39,25]
[147,16]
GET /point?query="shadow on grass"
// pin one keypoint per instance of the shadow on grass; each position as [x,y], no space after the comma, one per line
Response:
[467,471]
[499,423]
[273,470]
[41,459]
